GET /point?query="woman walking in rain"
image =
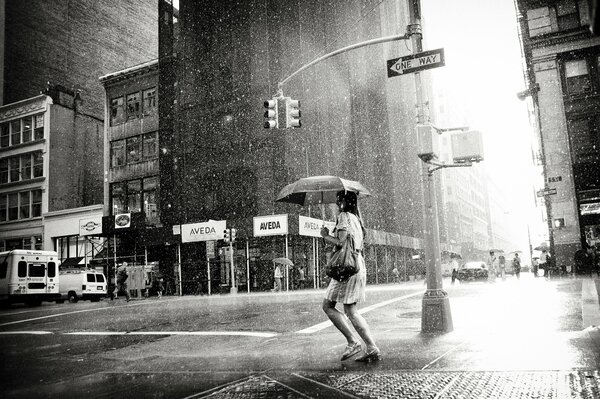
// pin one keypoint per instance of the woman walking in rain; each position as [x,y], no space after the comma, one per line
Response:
[351,291]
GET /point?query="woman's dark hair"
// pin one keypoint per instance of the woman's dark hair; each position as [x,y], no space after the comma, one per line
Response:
[351,201]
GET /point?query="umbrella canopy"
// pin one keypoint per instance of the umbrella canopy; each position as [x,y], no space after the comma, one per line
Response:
[496,251]
[316,190]
[283,261]
[541,247]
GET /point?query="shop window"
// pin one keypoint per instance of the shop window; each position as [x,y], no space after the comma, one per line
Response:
[4,135]
[27,243]
[27,130]
[15,132]
[37,243]
[117,149]
[3,170]
[26,167]
[38,133]
[14,168]
[150,146]
[13,206]
[38,164]
[149,98]
[36,205]
[3,208]
[117,192]
[134,196]
[117,111]
[584,138]
[150,199]
[24,205]
[134,149]
[577,77]
[133,105]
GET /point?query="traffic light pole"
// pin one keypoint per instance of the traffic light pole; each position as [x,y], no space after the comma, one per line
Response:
[436,315]
[233,289]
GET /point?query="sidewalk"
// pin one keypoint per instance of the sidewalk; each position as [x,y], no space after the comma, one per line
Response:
[490,362]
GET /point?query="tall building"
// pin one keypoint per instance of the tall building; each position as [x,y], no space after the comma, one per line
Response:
[562,69]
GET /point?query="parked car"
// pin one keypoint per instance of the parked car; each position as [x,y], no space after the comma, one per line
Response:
[76,284]
[472,271]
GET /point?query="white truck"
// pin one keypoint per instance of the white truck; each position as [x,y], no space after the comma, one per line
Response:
[76,284]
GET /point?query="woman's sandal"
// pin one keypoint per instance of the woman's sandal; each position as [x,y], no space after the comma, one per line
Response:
[369,357]
[351,350]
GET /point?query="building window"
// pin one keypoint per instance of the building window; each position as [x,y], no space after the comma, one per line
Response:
[577,77]
[117,192]
[14,168]
[36,203]
[134,196]
[38,164]
[567,15]
[38,244]
[27,130]
[150,146]
[117,111]
[24,204]
[133,105]
[38,133]
[4,135]
[134,149]
[3,170]
[149,97]
[26,167]
[3,208]
[13,206]
[117,149]
[15,132]
[150,199]
[585,139]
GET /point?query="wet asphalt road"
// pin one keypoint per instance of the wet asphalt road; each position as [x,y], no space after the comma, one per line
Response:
[182,346]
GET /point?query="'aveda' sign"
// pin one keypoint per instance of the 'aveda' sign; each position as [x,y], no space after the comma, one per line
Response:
[312,227]
[207,231]
[271,225]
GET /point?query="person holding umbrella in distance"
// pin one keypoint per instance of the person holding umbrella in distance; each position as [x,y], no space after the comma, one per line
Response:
[351,291]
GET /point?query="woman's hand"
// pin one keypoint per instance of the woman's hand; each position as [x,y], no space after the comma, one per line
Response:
[324,232]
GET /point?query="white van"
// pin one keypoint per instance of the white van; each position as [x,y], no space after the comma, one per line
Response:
[76,284]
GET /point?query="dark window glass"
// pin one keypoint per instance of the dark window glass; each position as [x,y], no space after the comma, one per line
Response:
[577,77]
[117,149]
[134,196]
[90,278]
[117,111]
[133,105]
[36,207]
[38,164]
[27,129]
[4,135]
[37,240]
[24,205]
[22,269]
[150,146]
[14,167]
[25,166]
[100,278]
[134,149]
[13,206]
[3,170]
[3,208]
[585,139]
[37,270]
[567,15]
[51,269]
[15,132]
[27,243]
[149,97]
[38,133]
[3,269]
[118,198]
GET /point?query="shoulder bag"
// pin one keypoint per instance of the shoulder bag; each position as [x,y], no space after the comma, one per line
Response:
[343,263]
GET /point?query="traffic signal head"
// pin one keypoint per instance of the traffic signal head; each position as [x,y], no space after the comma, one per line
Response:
[271,116]
[233,233]
[226,235]
[292,113]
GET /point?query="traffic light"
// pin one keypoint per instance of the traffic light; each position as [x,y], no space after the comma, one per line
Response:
[233,232]
[226,235]
[292,113]
[271,116]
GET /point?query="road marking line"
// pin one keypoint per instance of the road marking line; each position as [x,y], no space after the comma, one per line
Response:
[325,324]
[191,333]
[444,354]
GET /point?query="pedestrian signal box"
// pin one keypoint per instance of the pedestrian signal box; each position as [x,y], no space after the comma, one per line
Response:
[428,143]
[467,146]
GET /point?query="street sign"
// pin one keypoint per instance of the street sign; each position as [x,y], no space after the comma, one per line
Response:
[415,62]
[546,191]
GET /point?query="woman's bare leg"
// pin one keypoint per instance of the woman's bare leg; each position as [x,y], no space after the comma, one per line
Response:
[360,325]
[339,320]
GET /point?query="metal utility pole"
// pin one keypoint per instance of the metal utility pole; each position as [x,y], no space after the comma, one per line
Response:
[436,315]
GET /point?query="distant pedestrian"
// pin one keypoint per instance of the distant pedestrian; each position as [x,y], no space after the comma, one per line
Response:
[516,264]
[351,291]
[535,266]
[396,274]
[544,261]
[454,267]
[492,263]
[122,276]
[502,266]
[160,287]
[277,276]
[301,277]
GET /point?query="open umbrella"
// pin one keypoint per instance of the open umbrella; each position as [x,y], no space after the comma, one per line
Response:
[496,251]
[541,247]
[283,261]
